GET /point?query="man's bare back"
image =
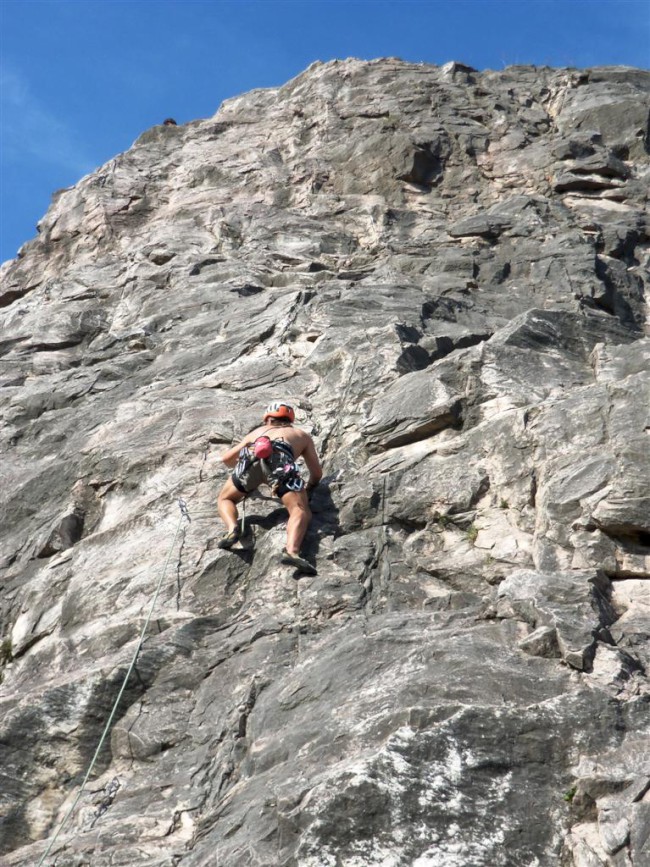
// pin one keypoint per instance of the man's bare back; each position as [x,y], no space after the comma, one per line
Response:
[301,444]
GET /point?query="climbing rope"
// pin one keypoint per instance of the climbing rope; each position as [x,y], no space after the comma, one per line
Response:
[184,516]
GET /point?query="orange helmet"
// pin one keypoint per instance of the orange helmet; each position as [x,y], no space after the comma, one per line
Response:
[277,409]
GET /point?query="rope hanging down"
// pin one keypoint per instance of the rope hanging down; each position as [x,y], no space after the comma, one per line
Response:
[184,516]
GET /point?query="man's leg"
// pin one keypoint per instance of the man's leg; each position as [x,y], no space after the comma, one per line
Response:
[229,496]
[297,505]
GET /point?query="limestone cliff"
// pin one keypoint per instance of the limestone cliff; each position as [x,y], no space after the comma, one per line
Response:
[446,272]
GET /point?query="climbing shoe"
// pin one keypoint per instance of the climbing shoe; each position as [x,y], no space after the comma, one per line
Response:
[297,562]
[230,539]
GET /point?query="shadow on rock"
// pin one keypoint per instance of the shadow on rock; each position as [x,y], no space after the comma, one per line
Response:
[325,520]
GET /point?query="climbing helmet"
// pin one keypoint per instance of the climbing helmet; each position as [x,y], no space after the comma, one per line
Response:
[277,409]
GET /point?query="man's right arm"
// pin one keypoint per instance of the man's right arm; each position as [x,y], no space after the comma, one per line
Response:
[313,464]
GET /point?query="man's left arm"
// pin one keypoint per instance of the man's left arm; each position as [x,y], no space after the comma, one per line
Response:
[230,457]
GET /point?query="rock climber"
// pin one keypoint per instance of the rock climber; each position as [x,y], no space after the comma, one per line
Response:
[268,455]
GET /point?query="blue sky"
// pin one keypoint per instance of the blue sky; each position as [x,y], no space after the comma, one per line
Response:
[81,79]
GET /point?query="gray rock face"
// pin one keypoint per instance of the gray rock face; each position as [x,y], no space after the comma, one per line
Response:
[446,272]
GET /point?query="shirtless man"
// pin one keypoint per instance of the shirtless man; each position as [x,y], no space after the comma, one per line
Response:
[257,461]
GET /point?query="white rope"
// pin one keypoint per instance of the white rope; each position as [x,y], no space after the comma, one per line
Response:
[184,515]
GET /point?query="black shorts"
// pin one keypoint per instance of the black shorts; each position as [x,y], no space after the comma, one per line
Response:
[248,479]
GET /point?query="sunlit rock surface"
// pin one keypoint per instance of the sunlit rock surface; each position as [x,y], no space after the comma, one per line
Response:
[446,272]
